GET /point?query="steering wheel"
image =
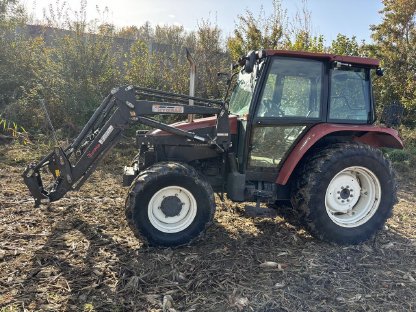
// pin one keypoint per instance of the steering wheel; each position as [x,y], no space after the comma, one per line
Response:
[271,109]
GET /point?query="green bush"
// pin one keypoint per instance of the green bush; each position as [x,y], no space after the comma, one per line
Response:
[398,155]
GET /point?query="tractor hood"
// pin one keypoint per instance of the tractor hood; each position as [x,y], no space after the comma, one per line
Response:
[200,123]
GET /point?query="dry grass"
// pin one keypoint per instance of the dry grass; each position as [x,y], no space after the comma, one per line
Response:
[79,255]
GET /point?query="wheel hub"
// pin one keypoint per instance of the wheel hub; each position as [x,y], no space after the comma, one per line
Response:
[172,209]
[344,193]
[353,196]
[171,206]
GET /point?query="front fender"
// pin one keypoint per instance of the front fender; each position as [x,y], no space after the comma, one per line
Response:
[368,134]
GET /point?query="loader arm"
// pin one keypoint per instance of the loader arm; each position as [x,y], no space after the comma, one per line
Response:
[72,166]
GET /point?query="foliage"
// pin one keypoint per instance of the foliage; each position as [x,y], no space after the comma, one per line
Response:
[13,53]
[395,44]
[74,62]
[305,42]
[10,126]
[210,59]
[274,31]
[71,69]
[13,129]
[262,32]
[343,45]
[153,69]
[301,36]
[403,159]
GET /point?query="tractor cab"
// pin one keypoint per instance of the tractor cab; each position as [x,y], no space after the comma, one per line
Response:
[285,94]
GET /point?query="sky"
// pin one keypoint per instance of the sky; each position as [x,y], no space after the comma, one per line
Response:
[329,17]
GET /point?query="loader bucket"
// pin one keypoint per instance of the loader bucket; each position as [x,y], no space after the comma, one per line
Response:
[59,167]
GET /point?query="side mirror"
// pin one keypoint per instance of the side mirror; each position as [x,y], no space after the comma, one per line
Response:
[250,61]
[380,72]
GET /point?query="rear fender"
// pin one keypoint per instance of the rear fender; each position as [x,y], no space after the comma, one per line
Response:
[368,134]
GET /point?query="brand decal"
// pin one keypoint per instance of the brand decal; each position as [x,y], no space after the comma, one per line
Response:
[106,134]
[157,108]
[94,150]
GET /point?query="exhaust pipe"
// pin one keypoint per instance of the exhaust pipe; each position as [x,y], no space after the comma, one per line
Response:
[191,81]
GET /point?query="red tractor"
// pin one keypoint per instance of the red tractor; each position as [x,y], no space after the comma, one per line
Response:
[298,126]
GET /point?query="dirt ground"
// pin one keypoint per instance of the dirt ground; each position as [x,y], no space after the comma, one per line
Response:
[79,255]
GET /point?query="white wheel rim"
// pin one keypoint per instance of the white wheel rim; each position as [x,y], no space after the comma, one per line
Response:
[165,222]
[353,196]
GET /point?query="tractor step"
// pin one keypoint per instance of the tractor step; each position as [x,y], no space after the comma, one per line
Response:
[129,174]
[258,212]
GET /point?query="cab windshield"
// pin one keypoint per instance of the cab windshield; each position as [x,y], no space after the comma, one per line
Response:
[243,92]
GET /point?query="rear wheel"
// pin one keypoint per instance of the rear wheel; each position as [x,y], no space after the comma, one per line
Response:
[345,193]
[169,204]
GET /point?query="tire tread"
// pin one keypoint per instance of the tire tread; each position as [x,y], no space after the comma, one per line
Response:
[154,173]
[307,178]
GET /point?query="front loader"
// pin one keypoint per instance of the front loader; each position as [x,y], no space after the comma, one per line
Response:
[298,126]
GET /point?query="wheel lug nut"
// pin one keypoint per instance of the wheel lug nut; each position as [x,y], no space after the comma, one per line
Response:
[347,186]
[348,200]
[342,201]
[351,195]
[338,192]
[342,187]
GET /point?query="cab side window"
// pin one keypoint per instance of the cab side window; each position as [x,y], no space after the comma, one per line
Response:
[349,95]
[292,89]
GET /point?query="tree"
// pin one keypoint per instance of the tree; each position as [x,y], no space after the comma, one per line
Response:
[11,11]
[210,59]
[72,70]
[275,32]
[263,32]
[15,56]
[395,45]
[343,45]
[305,42]
[300,33]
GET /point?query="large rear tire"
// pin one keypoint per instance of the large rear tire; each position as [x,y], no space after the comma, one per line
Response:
[169,204]
[345,193]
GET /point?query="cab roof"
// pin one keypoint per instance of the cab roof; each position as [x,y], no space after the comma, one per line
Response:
[355,60]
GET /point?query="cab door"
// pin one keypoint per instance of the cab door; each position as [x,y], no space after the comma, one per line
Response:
[289,103]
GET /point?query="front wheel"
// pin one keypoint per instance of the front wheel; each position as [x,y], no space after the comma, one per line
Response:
[169,204]
[345,193]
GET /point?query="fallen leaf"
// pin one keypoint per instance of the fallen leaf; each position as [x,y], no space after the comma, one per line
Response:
[271,265]
[367,248]
[240,302]
[153,299]
[133,283]
[167,303]
[357,297]
[279,285]
[388,245]
[409,277]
